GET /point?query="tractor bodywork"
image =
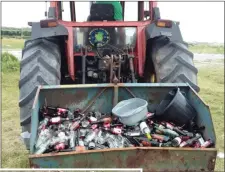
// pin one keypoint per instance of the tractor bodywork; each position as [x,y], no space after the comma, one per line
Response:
[143,30]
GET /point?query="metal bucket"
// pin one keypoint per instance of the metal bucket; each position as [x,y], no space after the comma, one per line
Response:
[103,97]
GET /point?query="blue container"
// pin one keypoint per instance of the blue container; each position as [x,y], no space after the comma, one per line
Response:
[131,111]
[104,97]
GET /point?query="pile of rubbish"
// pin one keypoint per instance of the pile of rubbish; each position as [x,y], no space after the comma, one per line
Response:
[130,124]
[62,131]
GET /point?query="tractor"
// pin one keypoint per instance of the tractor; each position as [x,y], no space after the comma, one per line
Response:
[102,50]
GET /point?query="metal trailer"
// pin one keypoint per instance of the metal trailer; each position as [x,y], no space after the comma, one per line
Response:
[103,97]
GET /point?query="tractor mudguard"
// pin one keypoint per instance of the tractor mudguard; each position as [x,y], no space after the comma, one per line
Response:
[173,32]
[38,32]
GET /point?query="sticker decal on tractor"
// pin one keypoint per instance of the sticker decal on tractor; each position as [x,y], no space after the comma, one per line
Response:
[169,34]
[99,37]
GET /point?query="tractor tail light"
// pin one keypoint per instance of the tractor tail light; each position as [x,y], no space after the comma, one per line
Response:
[164,23]
[48,23]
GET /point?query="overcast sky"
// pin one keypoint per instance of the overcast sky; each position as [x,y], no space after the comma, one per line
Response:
[199,21]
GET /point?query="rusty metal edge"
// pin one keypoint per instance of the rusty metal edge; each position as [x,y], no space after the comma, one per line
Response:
[119,149]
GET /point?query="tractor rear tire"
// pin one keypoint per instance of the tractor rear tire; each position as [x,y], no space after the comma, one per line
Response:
[173,62]
[40,65]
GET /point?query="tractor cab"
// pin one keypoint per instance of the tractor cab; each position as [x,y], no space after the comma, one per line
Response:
[101,12]
[94,24]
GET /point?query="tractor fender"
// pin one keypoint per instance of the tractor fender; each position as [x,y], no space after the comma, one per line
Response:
[173,33]
[38,32]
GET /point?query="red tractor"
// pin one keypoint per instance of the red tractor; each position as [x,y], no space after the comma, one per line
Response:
[102,50]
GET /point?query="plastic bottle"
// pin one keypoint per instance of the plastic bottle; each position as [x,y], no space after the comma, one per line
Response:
[103,120]
[76,124]
[42,147]
[91,145]
[43,137]
[72,139]
[176,141]
[168,132]
[60,146]
[43,124]
[201,140]
[54,111]
[58,120]
[90,136]
[207,144]
[190,141]
[145,130]
[116,130]
[85,123]
[133,133]
[160,137]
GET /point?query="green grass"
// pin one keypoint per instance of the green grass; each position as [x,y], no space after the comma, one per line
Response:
[14,154]
[12,43]
[211,81]
[9,62]
[206,49]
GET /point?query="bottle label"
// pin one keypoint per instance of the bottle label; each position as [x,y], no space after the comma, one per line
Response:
[93,119]
[106,125]
[117,130]
[137,133]
[206,144]
[75,125]
[177,141]
[94,126]
[156,136]
[60,146]
[169,126]
[150,115]
[55,120]
[144,128]
[61,110]
[81,143]
[85,123]
[183,144]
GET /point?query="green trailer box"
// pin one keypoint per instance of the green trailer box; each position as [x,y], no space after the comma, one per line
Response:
[103,97]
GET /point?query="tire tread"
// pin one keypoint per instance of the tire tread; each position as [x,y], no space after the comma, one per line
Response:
[173,62]
[40,65]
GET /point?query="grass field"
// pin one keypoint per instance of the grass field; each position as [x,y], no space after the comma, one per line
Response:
[12,43]
[204,48]
[14,155]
